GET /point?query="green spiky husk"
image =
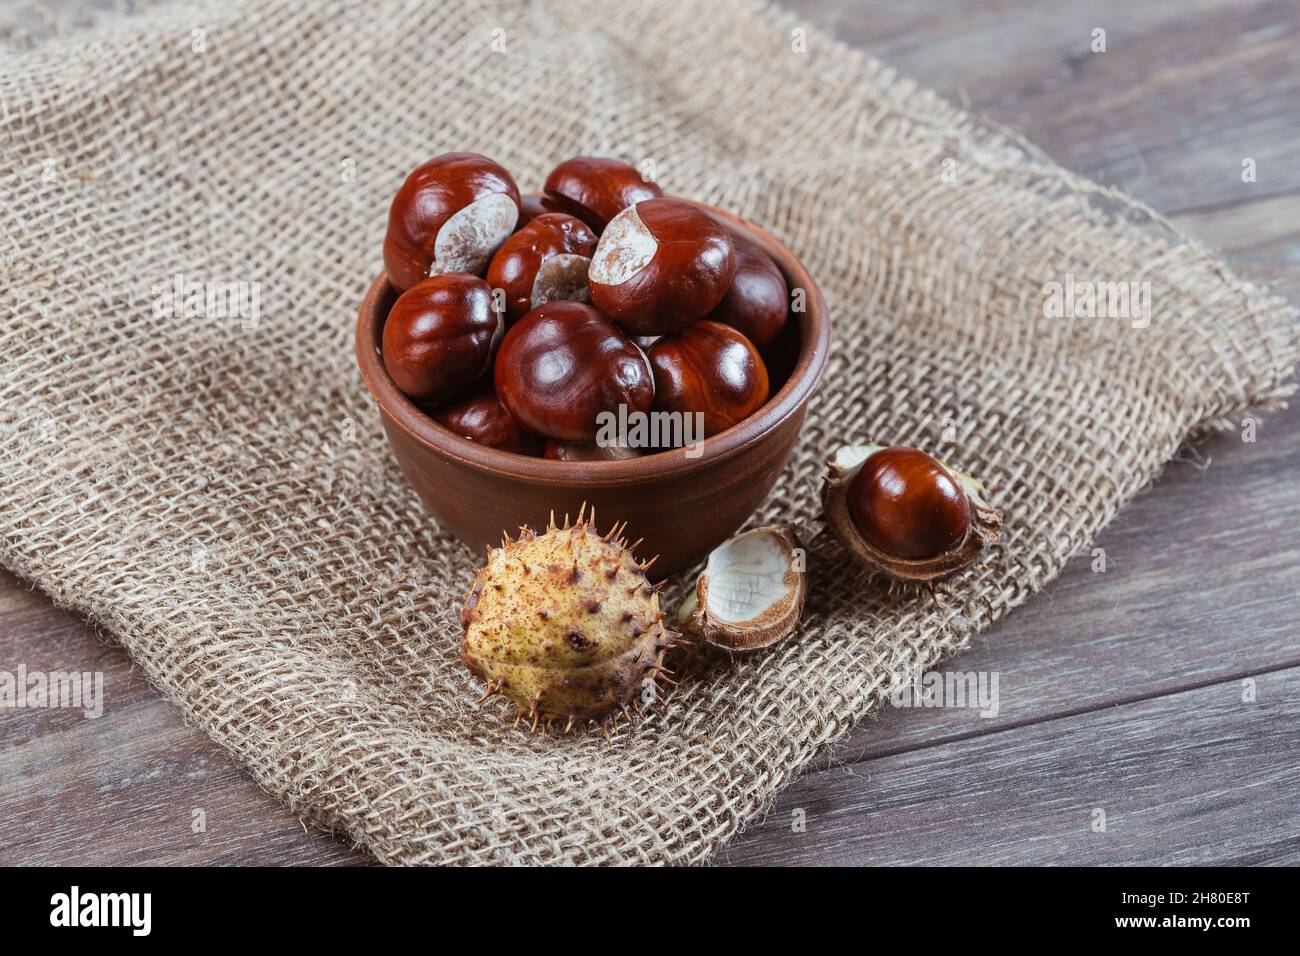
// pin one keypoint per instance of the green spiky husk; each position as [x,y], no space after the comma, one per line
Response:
[565,624]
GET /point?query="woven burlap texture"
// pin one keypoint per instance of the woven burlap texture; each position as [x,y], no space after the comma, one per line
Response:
[217,493]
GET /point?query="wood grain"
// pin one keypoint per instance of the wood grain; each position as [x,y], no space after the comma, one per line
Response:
[1118,690]
[1199,777]
[122,788]
[1184,91]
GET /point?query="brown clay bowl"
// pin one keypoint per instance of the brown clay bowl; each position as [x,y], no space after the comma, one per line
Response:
[683,507]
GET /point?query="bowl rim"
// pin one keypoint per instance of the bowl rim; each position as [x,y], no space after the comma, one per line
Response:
[814,350]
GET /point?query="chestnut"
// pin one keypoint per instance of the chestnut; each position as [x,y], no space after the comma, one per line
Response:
[712,369]
[660,265]
[544,261]
[904,512]
[575,451]
[450,215]
[479,416]
[439,336]
[563,364]
[757,301]
[907,504]
[596,189]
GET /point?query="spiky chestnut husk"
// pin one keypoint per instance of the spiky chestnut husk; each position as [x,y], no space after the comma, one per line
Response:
[565,624]
[984,526]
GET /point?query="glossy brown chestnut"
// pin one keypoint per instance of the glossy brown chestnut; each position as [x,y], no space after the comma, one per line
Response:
[660,265]
[573,451]
[563,364]
[545,261]
[907,504]
[479,416]
[450,215]
[901,512]
[439,336]
[712,369]
[596,189]
[757,301]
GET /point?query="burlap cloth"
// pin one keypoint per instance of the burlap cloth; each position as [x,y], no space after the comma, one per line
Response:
[218,495]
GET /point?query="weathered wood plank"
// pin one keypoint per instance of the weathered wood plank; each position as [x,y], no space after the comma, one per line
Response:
[1184,92]
[122,788]
[1197,777]
[1262,238]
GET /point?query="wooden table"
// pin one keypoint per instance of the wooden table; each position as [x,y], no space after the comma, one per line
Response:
[1163,693]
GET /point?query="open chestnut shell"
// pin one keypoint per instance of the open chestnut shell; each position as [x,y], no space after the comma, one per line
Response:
[751,593]
[711,369]
[660,265]
[563,364]
[545,261]
[903,512]
[596,189]
[757,303]
[450,215]
[439,336]
[479,416]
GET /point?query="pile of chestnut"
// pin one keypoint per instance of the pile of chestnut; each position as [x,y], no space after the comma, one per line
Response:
[520,320]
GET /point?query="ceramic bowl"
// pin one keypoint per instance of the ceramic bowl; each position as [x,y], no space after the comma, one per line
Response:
[682,506]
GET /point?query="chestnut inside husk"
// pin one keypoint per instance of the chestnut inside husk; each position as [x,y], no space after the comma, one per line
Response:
[981,530]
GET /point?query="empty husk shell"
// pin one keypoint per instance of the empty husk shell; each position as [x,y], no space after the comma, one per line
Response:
[751,592]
